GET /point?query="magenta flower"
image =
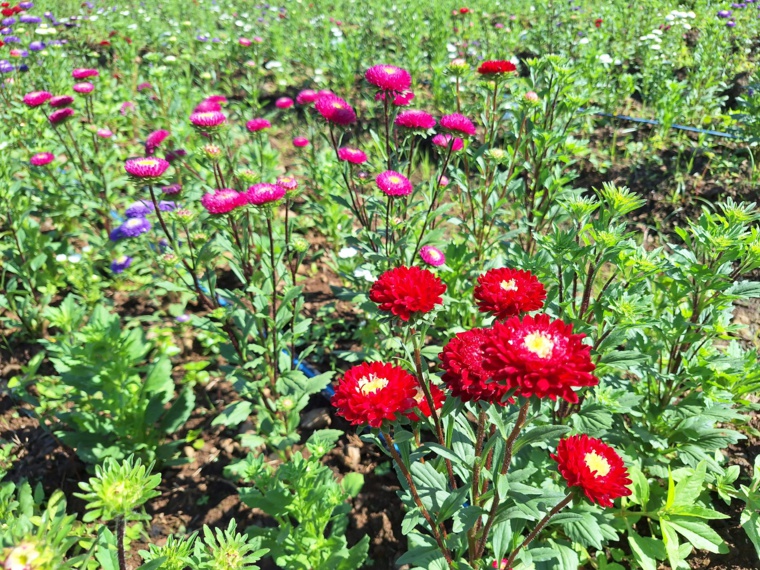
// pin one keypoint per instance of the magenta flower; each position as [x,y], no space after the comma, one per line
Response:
[399,99]
[144,86]
[389,78]
[352,155]
[263,194]
[443,141]
[415,120]
[284,103]
[60,101]
[432,255]
[458,123]
[393,183]
[149,168]
[126,107]
[443,181]
[223,201]
[258,124]
[60,116]
[300,142]
[171,189]
[335,110]
[306,97]
[42,158]
[208,120]
[207,107]
[245,42]
[84,88]
[104,133]
[218,99]
[288,182]
[154,140]
[81,73]
[37,98]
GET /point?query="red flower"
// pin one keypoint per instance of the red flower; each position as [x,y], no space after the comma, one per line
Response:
[593,466]
[509,292]
[421,403]
[464,10]
[462,359]
[372,393]
[405,291]
[598,22]
[539,357]
[496,67]
[8,12]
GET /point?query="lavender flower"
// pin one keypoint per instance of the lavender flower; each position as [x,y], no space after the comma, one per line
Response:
[133,227]
[119,264]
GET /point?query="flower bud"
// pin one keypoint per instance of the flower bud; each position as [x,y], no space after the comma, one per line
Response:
[299,244]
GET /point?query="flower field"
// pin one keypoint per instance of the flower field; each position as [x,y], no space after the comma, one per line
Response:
[349,284]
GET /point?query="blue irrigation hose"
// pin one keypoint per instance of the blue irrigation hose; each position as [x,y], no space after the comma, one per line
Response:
[677,127]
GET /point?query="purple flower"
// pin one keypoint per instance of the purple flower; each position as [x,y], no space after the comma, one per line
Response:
[12,40]
[5,67]
[730,24]
[8,21]
[183,318]
[27,19]
[36,46]
[166,206]
[139,209]
[26,5]
[119,264]
[724,14]
[171,189]
[133,227]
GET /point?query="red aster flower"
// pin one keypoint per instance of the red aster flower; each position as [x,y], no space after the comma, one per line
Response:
[389,78]
[420,402]
[262,194]
[335,110]
[508,292]
[415,120]
[539,357]
[500,565]
[146,168]
[372,393]
[37,98]
[407,291]
[462,360]
[464,10]
[457,124]
[154,140]
[393,183]
[593,466]
[598,22]
[223,201]
[60,116]
[496,67]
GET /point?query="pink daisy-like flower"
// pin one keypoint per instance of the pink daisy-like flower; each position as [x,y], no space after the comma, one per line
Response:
[300,142]
[443,181]
[218,99]
[154,140]
[284,103]
[60,116]
[245,42]
[208,120]
[207,107]
[432,255]
[104,133]
[144,86]
[335,110]
[148,168]
[288,182]
[399,99]
[393,183]
[81,73]
[42,158]
[352,155]
[389,78]
[84,88]
[262,194]
[60,101]
[306,97]
[415,120]
[126,107]
[458,124]
[443,141]
[223,201]
[172,189]
[258,124]
[37,98]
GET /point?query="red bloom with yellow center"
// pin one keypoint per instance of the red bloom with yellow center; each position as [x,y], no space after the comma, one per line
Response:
[421,403]
[374,392]
[508,292]
[496,67]
[539,357]
[407,291]
[593,466]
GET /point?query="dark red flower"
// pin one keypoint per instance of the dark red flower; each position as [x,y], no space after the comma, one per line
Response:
[593,466]
[462,359]
[496,67]
[539,357]
[598,22]
[421,403]
[374,392]
[508,292]
[407,291]
[464,10]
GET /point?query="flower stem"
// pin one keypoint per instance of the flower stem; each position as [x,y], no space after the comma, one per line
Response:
[120,543]
[276,355]
[539,527]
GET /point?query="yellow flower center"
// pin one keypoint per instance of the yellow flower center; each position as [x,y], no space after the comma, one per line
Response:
[146,162]
[597,464]
[394,179]
[371,384]
[509,285]
[434,254]
[337,105]
[539,343]
[388,70]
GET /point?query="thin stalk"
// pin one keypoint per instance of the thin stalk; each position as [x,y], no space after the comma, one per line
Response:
[272,260]
[120,543]
[539,527]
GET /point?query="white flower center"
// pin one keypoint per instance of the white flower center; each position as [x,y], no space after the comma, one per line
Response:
[371,384]
[598,464]
[539,343]
[509,285]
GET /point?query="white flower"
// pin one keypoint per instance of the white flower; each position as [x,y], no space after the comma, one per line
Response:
[87,249]
[75,258]
[583,41]
[272,65]
[655,46]
[605,59]
[61,257]
[347,252]
[365,274]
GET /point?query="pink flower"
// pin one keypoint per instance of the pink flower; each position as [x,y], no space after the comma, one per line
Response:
[144,86]
[104,133]
[42,158]
[352,155]
[258,124]
[81,73]
[37,98]
[324,93]
[415,120]
[443,140]
[263,193]
[306,97]
[146,168]
[300,142]
[393,183]
[443,182]
[223,201]
[60,101]
[457,123]
[432,255]
[399,99]
[531,96]
[154,140]
[335,110]
[126,107]
[61,115]
[208,119]
[207,107]
[389,78]
[84,88]
[218,99]
[284,103]
[258,39]
[245,42]
[287,182]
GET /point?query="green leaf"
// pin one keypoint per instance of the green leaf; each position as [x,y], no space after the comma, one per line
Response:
[670,538]
[546,434]
[179,412]
[234,414]
[699,534]
[352,483]
[647,551]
